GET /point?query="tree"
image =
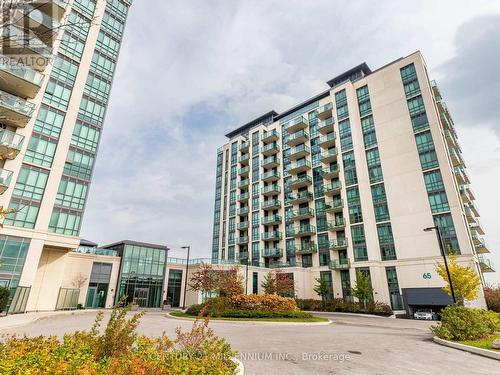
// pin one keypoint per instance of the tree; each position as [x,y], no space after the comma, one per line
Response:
[4,213]
[79,281]
[278,282]
[229,282]
[492,297]
[363,289]
[204,279]
[322,289]
[4,298]
[465,280]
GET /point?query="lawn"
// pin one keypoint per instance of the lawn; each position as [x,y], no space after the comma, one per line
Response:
[314,319]
[484,343]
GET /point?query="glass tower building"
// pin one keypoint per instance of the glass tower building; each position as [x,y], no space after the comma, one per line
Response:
[58,59]
[346,181]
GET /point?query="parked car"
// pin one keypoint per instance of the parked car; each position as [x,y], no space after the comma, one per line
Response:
[425,314]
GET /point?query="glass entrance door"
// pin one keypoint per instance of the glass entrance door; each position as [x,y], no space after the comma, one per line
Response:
[89,302]
[141,296]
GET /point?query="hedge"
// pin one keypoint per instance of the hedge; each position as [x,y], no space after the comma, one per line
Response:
[340,305]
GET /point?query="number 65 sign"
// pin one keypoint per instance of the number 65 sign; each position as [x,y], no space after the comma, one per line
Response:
[426,275]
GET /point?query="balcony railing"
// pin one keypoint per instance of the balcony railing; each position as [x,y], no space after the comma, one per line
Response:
[326,126]
[271,204]
[298,182]
[325,111]
[271,190]
[271,176]
[242,211]
[296,138]
[333,188]
[242,225]
[10,144]
[271,236]
[296,124]
[339,264]
[271,219]
[298,152]
[15,111]
[303,230]
[327,140]
[303,213]
[303,249]
[244,183]
[299,166]
[270,149]
[244,146]
[24,80]
[242,240]
[244,171]
[271,161]
[244,159]
[330,172]
[485,264]
[300,197]
[272,252]
[243,255]
[243,197]
[5,179]
[269,136]
[337,224]
[329,156]
[338,243]
[334,206]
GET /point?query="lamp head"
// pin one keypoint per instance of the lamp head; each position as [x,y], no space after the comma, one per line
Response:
[429,229]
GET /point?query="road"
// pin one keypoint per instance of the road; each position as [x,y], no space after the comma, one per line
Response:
[351,345]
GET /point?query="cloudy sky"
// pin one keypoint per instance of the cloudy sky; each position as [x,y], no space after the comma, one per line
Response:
[191,70]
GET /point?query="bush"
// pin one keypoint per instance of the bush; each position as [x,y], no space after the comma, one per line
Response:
[340,305]
[492,296]
[263,302]
[4,298]
[251,314]
[119,351]
[460,323]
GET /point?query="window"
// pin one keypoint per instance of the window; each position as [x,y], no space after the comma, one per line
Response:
[71,193]
[438,202]
[373,157]
[386,242]
[424,141]
[41,150]
[64,70]
[71,46]
[393,285]
[13,252]
[86,136]
[85,6]
[31,183]
[255,282]
[65,221]
[108,45]
[102,65]
[428,159]
[378,194]
[327,276]
[97,87]
[26,216]
[381,212]
[91,111]
[375,174]
[364,104]
[79,164]
[417,114]
[445,224]
[112,24]
[49,121]
[57,94]
[433,181]
[353,196]
[355,214]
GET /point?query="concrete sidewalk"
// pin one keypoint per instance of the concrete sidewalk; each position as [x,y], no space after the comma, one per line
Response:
[18,320]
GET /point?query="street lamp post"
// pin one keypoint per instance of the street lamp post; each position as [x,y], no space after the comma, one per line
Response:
[187,269]
[165,298]
[441,247]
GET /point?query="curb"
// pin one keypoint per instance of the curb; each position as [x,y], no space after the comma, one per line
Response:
[48,314]
[240,370]
[471,349]
[293,324]
[348,314]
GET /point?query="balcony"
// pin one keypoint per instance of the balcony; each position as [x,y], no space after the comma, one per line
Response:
[479,245]
[297,138]
[242,240]
[244,183]
[5,178]
[54,8]
[270,176]
[271,204]
[41,24]
[271,162]
[300,197]
[243,197]
[298,152]
[464,194]
[339,264]
[244,146]
[303,230]
[461,176]
[333,188]
[272,252]
[329,156]
[331,172]
[274,235]
[306,248]
[271,220]
[244,172]
[327,140]
[325,111]
[335,205]
[270,149]
[19,41]
[302,213]
[244,159]
[337,224]
[10,144]
[242,211]
[338,244]
[298,182]
[20,80]
[270,136]
[474,209]
[243,255]
[242,225]
[270,190]
[299,166]
[15,111]
[476,225]
[296,124]
[325,127]
[450,138]
[288,264]
[485,264]
[456,158]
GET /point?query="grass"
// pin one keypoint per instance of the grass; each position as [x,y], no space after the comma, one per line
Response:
[314,319]
[483,343]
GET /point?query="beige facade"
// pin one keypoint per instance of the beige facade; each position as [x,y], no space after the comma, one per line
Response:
[287,196]
[53,101]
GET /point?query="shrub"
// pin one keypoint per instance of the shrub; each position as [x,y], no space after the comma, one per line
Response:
[119,351]
[340,305]
[460,323]
[263,302]
[4,298]
[264,314]
[492,296]
[378,308]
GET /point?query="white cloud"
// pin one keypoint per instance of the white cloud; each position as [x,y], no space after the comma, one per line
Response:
[189,71]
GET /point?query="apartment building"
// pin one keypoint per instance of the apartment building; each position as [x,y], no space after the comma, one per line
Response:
[346,182]
[57,62]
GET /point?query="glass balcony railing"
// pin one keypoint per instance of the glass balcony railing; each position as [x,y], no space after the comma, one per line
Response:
[330,171]
[306,248]
[333,187]
[327,139]
[270,135]
[329,155]
[302,181]
[243,255]
[242,240]
[271,219]
[5,179]
[242,225]
[242,211]
[243,197]
[271,161]
[244,158]
[244,183]
[271,189]
[271,175]
[272,252]
[325,111]
[334,205]
[296,124]
[325,126]
[10,144]
[271,236]
[244,146]
[271,204]
[21,71]
[339,264]
[295,138]
[16,104]
[244,170]
[96,251]
[271,148]
[337,224]
[338,243]
[303,213]
[303,196]
[299,166]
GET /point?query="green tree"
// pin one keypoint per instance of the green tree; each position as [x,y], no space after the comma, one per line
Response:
[465,280]
[278,282]
[363,289]
[269,284]
[322,289]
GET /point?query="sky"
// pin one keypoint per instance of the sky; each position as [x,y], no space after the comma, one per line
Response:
[191,70]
